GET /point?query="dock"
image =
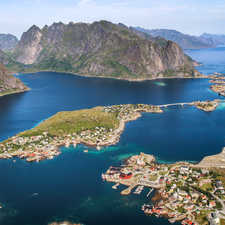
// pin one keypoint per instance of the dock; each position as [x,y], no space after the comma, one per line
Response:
[150,192]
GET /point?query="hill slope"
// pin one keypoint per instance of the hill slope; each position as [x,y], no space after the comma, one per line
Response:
[10,84]
[184,40]
[100,49]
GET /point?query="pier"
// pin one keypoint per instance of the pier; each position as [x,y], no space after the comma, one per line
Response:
[150,192]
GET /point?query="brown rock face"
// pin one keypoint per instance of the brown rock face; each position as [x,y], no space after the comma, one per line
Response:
[100,49]
[8,83]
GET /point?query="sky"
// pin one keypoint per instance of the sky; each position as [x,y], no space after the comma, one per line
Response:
[193,17]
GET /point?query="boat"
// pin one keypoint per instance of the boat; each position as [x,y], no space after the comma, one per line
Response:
[115,186]
[85,150]
[172,220]
[98,147]
[103,176]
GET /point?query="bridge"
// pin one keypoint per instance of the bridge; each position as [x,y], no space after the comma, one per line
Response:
[166,105]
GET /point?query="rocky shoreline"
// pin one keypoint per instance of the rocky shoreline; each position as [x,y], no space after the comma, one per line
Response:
[64,223]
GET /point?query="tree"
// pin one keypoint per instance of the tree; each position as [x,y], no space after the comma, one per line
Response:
[219,205]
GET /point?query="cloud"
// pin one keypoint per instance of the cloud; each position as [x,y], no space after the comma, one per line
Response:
[188,16]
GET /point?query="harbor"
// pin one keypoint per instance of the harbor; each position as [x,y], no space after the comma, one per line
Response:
[179,188]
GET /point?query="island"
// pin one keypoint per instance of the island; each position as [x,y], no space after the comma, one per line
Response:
[220,89]
[96,127]
[185,192]
[207,106]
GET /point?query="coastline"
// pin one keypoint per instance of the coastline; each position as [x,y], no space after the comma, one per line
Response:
[14,92]
[116,78]
[37,152]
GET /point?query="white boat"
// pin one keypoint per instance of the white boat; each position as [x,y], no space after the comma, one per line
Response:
[103,176]
[85,150]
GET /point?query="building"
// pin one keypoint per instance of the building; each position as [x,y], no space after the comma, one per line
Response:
[184,168]
[125,176]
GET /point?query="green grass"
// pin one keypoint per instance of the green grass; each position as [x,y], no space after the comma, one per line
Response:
[153,177]
[163,172]
[205,186]
[67,122]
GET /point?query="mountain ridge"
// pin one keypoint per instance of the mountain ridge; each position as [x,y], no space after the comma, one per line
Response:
[8,41]
[100,49]
[184,40]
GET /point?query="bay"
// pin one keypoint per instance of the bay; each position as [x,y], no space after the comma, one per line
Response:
[69,187]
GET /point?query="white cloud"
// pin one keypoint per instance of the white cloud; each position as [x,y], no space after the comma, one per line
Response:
[187,16]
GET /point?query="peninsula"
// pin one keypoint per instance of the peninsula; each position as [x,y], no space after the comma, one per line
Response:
[185,191]
[96,127]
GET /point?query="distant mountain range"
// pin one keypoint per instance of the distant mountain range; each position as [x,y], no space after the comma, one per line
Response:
[184,40]
[8,41]
[213,39]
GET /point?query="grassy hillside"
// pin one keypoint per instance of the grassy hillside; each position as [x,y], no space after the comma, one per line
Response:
[68,122]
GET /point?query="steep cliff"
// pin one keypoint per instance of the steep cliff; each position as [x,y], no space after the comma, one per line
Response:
[10,84]
[100,49]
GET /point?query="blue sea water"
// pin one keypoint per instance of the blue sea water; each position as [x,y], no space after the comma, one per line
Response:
[70,187]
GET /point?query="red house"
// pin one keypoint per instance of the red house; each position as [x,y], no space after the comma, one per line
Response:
[125,176]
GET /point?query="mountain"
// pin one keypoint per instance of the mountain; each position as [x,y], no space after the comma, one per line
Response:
[213,38]
[184,40]
[4,58]
[10,84]
[100,49]
[8,41]
[158,40]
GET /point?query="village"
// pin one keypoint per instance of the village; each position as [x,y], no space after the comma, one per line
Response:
[46,146]
[185,192]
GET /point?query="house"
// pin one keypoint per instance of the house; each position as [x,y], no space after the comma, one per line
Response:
[205,171]
[140,162]
[184,193]
[189,206]
[125,176]
[212,204]
[184,168]
[219,185]
[114,169]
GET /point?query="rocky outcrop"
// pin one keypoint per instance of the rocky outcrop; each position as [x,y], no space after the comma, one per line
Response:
[10,84]
[64,223]
[100,49]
